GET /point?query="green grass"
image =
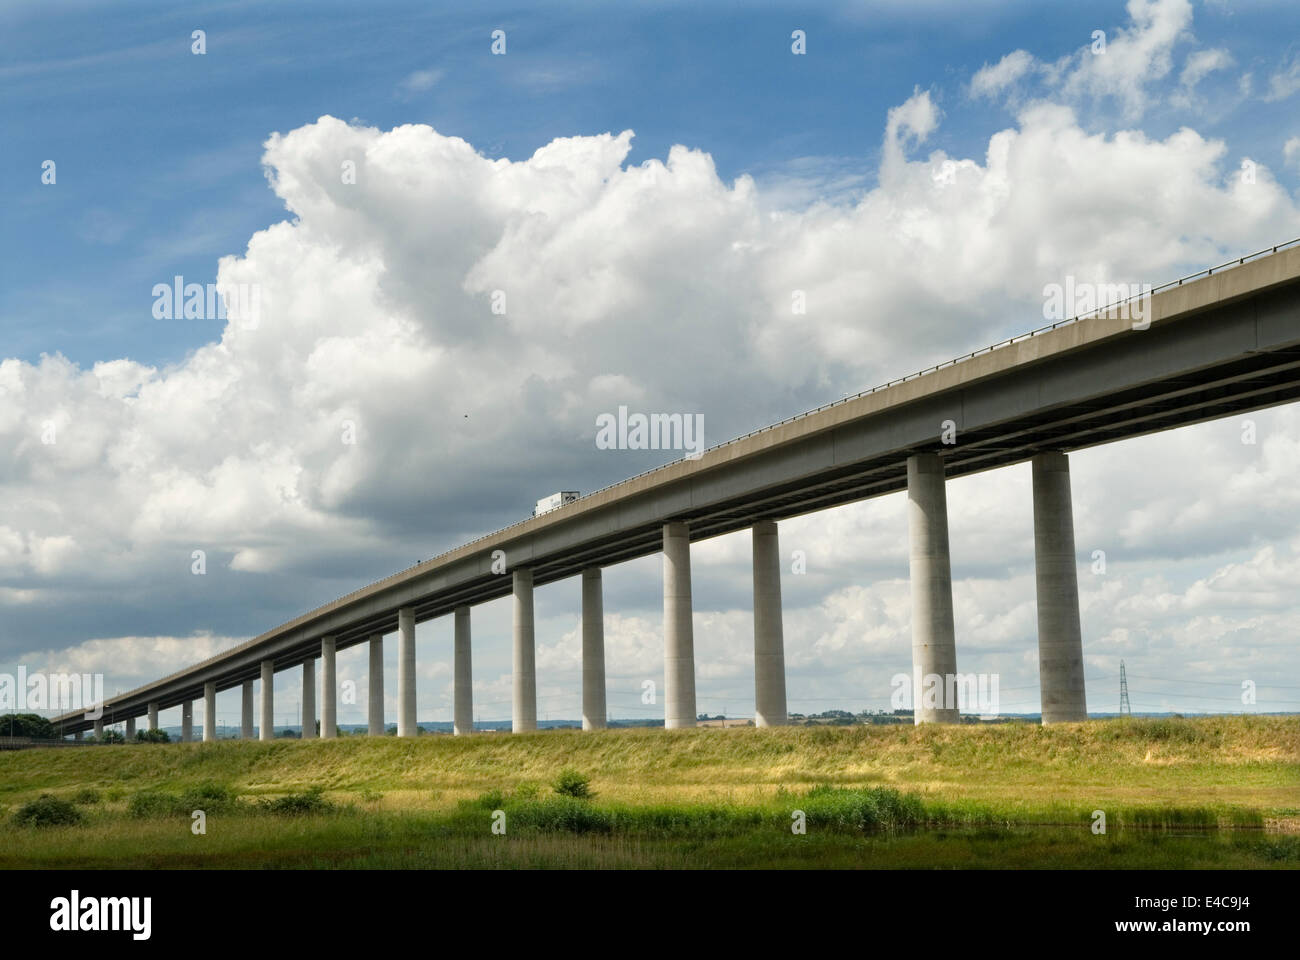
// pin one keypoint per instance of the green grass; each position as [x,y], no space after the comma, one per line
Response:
[1204,792]
[845,829]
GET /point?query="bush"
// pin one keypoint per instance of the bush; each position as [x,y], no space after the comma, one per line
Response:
[297,804]
[152,736]
[86,796]
[111,736]
[208,797]
[570,783]
[877,808]
[149,804]
[47,810]
[563,814]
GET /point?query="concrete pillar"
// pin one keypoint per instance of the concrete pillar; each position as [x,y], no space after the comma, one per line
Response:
[375,706]
[130,728]
[679,634]
[934,648]
[406,672]
[593,650]
[463,715]
[209,712]
[769,637]
[1060,640]
[524,716]
[266,722]
[328,689]
[309,698]
[246,713]
[187,721]
[153,717]
[99,729]
[77,735]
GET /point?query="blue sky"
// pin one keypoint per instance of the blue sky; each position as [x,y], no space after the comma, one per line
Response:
[158,150]
[646,274]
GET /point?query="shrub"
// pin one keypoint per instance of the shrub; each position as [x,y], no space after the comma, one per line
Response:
[563,814]
[876,808]
[296,804]
[47,810]
[86,796]
[208,797]
[570,783]
[149,804]
[152,736]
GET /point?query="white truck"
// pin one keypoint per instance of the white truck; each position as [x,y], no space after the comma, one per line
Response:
[547,504]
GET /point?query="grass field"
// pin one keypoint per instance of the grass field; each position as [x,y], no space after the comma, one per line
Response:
[1202,792]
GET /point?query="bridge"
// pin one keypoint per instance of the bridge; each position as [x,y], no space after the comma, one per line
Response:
[1221,342]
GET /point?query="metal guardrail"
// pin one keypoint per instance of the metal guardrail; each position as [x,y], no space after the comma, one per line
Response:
[856,396]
